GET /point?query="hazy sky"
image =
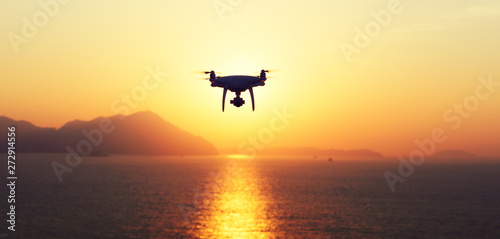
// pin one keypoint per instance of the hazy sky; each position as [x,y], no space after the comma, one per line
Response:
[397,84]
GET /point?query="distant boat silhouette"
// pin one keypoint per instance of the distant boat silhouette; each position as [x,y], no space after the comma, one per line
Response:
[330,160]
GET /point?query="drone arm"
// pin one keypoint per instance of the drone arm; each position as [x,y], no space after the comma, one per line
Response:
[224,98]
[251,95]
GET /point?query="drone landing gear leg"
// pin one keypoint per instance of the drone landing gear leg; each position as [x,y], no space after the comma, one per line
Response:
[251,95]
[224,98]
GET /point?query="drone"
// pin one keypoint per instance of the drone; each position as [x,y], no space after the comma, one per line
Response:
[237,84]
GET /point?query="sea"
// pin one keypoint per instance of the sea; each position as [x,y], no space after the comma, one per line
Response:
[239,197]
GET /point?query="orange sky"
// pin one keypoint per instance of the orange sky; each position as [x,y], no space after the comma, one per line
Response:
[420,60]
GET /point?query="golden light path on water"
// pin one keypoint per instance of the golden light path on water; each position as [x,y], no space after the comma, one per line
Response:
[238,207]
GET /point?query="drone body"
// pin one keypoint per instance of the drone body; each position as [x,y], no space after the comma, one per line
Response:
[237,84]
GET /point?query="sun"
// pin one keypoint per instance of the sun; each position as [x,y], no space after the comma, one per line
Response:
[238,156]
[239,64]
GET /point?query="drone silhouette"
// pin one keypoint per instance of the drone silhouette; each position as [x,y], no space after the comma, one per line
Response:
[237,84]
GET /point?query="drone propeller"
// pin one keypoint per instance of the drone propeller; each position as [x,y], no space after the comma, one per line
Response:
[217,77]
[267,77]
[262,74]
[206,72]
[270,71]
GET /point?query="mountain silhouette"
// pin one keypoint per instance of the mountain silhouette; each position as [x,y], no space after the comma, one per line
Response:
[454,154]
[140,133]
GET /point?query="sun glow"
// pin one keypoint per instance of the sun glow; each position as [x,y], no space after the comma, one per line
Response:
[238,156]
[238,63]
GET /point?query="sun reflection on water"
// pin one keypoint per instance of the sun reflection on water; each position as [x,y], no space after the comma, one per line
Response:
[238,209]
